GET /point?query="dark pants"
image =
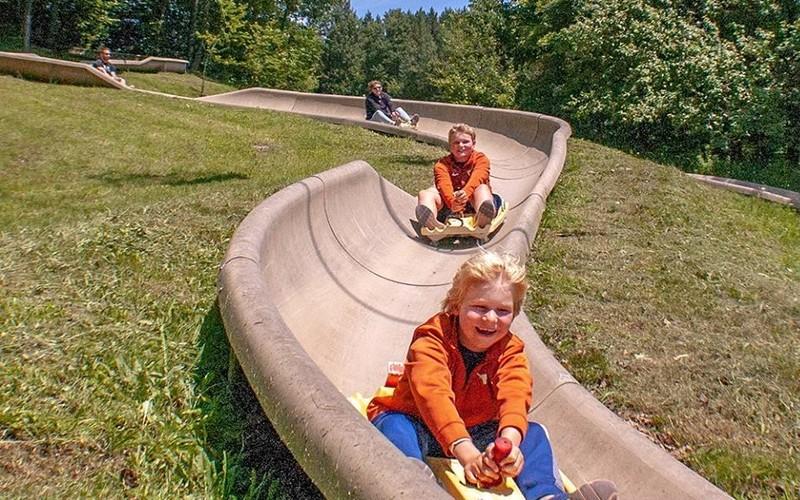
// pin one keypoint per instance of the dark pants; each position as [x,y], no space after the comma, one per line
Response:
[445,212]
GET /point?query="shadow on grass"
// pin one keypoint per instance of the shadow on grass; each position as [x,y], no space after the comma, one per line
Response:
[169,179]
[249,457]
[412,159]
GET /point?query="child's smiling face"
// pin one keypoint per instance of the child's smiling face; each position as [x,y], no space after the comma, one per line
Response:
[461,146]
[485,314]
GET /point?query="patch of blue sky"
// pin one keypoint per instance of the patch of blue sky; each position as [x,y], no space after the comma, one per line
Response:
[379,7]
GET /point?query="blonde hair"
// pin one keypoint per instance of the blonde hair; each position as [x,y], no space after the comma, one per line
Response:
[460,128]
[483,268]
[373,83]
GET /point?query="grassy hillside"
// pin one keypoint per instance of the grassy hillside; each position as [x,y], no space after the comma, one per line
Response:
[677,304]
[113,221]
[187,85]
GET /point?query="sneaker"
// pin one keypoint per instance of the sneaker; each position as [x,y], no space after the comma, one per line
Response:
[414,120]
[486,213]
[599,489]
[426,218]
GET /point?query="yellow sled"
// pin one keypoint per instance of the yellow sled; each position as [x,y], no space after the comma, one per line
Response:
[465,226]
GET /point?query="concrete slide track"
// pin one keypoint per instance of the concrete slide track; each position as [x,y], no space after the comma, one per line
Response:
[54,70]
[324,282]
[152,64]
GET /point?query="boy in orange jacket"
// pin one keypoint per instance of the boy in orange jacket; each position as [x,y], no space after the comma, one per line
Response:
[461,183]
[466,381]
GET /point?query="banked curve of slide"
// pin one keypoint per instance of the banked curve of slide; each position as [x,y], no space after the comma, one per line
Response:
[324,281]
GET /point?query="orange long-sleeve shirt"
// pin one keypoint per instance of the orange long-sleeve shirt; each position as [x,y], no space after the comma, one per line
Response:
[450,176]
[435,386]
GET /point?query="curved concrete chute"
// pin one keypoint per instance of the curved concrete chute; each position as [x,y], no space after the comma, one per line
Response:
[153,63]
[54,70]
[324,282]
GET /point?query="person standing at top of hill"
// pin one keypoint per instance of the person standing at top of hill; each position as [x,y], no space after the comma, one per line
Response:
[380,108]
[103,63]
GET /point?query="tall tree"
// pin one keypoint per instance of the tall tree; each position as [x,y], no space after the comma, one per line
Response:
[420,58]
[473,68]
[397,28]
[689,80]
[376,49]
[343,55]
[248,53]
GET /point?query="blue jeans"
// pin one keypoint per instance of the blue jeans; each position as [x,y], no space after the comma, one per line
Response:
[539,476]
[380,116]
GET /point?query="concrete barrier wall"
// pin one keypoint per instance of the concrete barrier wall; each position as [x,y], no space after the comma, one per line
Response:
[152,64]
[769,193]
[46,69]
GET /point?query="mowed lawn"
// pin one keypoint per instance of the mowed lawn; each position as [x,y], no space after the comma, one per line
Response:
[675,303]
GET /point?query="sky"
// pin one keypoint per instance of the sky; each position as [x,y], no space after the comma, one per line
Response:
[378,7]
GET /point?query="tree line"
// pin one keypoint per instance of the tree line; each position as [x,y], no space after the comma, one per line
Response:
[709,85]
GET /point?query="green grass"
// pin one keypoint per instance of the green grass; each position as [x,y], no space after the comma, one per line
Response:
[675,303]
[187,85]
[679,306]
[113,360]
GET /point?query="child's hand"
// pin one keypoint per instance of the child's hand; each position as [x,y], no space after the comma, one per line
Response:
[460,201]
[475,469]
[510,466]
[481,471]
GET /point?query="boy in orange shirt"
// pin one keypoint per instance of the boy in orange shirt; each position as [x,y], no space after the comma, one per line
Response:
[466,381]
[461,182]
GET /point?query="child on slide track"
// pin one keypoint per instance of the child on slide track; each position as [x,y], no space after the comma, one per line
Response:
[461,183]
[466,381]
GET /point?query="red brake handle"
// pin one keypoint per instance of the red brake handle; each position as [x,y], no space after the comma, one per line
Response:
[502,448]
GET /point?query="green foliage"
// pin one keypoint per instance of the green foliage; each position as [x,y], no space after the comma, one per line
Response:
[155,27]
[420,57]
[637,73]
[62,24]
[96,21]
[343,56]
[401,50]
[246,53]
[407,54]
[701,84]
[473,69]
[376,52]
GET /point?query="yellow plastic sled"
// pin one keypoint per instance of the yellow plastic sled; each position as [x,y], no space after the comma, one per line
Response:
[465,226]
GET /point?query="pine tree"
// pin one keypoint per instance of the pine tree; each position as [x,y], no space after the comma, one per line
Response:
[343,55]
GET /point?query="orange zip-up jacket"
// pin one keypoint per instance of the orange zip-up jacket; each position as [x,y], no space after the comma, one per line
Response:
[450,176]
[435,387]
